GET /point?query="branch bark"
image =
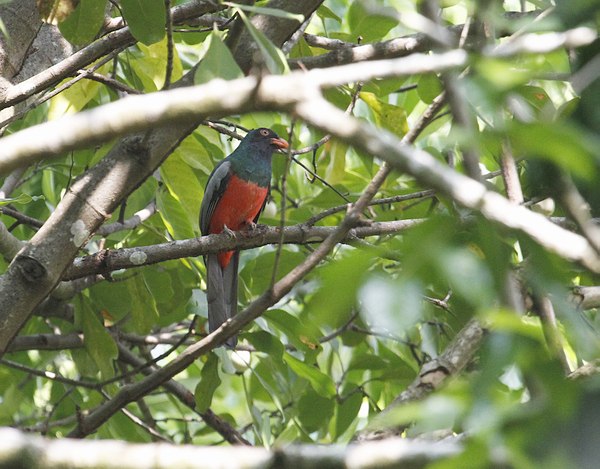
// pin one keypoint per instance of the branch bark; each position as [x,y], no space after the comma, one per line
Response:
[108,261]
[182,105]
[87,55]
[54,454]
[432,375]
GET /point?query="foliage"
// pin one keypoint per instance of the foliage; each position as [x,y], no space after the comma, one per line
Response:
[355,332]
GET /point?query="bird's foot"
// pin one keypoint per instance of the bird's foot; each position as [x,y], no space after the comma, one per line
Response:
[228,231]
[252,228]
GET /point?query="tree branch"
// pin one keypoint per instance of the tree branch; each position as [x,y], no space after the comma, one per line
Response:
[125,258]
[180,106]
[432,375]
[393,48]
[186,397]
[54,454]
[465,191]
[99,48]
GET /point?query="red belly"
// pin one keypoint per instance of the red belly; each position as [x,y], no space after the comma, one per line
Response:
[239,205]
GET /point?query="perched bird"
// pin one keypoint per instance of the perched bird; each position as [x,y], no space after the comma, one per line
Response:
[235,194]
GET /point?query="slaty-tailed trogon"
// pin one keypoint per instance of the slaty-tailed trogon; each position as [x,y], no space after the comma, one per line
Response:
[235,194]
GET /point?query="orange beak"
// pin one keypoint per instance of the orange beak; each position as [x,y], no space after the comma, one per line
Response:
[280,143]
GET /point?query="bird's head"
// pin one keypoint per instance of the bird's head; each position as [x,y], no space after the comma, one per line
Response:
[266,138]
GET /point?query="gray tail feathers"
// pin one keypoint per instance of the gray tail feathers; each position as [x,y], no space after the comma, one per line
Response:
[221,292]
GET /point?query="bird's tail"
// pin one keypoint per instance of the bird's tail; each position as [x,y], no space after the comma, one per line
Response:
[221,292]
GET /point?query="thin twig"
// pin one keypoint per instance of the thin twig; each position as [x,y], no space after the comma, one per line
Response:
[283,208]
[170,47]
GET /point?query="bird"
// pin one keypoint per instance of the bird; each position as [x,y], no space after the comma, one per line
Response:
[236,193]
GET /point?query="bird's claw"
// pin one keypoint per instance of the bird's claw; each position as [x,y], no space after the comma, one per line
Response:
[228,231]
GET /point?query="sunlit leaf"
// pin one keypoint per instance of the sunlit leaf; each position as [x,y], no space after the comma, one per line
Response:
[387,115]
[54,11]
[21,199]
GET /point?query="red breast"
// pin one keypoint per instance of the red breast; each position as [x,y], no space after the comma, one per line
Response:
[239,206]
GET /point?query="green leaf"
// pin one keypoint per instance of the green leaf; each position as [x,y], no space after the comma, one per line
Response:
[209,382]
[327,308]
[275,60]
[150,67]
[558,142]
[429,87]
[314,411]
[174,216]
[386,115]
[22,199]
[257,274]
[83,24]
[217,62]
[76,97]
[303,336]
[143,307]
[267,11]
[336,169]
[48,186]
[371,21]
[112,298]
[267,377]
[324,12]
[146,19]
[183,185]
[265,342]
[98,342]
[320,382]
[503,73]
[346,412]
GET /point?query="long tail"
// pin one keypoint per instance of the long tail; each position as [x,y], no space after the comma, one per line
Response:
[221,292]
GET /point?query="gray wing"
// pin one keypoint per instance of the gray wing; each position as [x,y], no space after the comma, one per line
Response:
[215,187]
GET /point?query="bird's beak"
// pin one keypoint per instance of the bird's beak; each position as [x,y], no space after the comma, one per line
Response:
[280,143]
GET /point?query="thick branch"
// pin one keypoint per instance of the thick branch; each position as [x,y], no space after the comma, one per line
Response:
[432,375]
[218,97]
[54,454]
[465,191]
[108,261]
[345,53]
[94,51]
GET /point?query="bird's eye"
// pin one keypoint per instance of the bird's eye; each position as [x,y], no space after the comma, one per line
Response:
[264,132]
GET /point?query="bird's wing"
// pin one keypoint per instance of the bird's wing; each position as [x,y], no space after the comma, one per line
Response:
[217,182]
[263,205]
